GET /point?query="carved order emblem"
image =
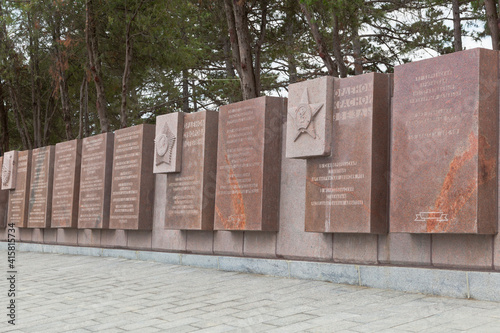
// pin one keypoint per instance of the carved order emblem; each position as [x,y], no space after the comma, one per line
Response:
[303,116]
[164,146]
[6,168]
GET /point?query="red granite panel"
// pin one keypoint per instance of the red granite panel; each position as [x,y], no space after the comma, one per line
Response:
[132,186]
[40,199]
[444,145]
[191,192]
[66,188]
[95,181]
[346,192]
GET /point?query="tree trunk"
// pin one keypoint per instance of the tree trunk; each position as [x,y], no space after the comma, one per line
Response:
[320,42]
[236,14]
[337,51]
[19,118]
[35,82]
[258,45]
[356,47]
[95,64]
[290,13]
[61,63]
[185,91]
[50,110]
[233,37]
[128,64]
[83,108]
[492,18]
[4,123]
[457,29]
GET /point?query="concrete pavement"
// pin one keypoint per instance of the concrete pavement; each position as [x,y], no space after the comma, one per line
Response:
[70,293]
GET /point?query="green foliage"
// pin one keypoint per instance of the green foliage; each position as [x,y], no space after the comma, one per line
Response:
[179,42]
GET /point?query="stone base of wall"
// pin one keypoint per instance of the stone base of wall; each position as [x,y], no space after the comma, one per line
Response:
[481,285]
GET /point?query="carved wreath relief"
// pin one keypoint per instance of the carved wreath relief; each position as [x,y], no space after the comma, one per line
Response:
[164,146]
[303,116]
[6,170]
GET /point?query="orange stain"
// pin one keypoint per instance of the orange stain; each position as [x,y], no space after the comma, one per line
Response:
[451,202]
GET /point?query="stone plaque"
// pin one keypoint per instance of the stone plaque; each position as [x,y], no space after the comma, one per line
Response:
[346,192]
[4,201]
[444,144]
[66,184]
[132,186]
[95,181]
[309,119]
[42,174]
[191,193]
[168,143]
[249,165]
[9,169]
[19,198]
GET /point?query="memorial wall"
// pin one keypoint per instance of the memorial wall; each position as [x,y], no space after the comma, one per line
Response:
[377,168]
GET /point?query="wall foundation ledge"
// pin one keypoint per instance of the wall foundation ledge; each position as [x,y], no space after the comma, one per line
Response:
[480,285]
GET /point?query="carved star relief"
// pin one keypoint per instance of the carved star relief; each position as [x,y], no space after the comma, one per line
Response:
[303,116]
[164,146]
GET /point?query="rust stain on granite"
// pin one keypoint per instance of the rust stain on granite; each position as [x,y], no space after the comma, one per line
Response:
[452,203]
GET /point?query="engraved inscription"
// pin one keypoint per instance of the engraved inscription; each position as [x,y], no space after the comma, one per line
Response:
[185,188]
[126,175]
[438,123]
[18,197]
[92,181]
[64,183]
[353,102]
[330,181]
[39,210]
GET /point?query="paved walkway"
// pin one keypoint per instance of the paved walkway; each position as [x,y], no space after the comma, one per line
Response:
[64,293]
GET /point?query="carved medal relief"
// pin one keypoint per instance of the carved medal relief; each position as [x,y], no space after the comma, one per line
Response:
[9,167]
[168,143]
[310,118]
[164,144]
[303,116]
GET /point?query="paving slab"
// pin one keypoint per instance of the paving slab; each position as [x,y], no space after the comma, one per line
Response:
[78,293]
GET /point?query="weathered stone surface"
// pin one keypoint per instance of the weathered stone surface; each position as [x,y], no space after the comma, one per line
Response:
[164,239]
[4,202]
[42,175]
[249,165]
[347,191]
[496,253]
[260,244]
[228,242]
[67,236]
[444,144]
[139,239]
[89,237]
[95,181]
[19,198]
[168,142]
[310,112]
[37,235]
[462,251]
[132,189]
[292,240]
[114,238]
[50,236]
[191,193]
[359,248]
[66,189]
[9,170]
[25,235]
[200,241]
[402,249]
